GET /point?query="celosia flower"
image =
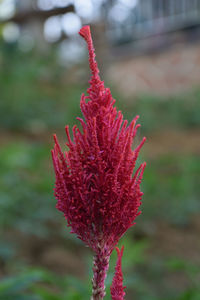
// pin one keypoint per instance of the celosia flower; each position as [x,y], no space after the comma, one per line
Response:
[94,184]
[117,288]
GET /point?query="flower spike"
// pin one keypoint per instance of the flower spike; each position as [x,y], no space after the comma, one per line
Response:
[95,187]
[117,288]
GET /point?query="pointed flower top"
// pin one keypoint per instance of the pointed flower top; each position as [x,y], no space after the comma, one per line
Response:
[86,34]
[117,288]
[94,186]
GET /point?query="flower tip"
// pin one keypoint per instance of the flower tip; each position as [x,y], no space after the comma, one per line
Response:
[55,138]
[120,252]
[137,126]
[85,32]
[52,153]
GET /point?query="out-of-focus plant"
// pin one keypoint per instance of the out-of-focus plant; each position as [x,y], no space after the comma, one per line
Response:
[21,183]
[94,185]
[178,188]
[41,284]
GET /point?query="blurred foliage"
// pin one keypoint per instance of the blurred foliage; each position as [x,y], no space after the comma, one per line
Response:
[32,90]
[35,100]
[35,97]
[25,187]
[171,185]
[41,284]
[167,112]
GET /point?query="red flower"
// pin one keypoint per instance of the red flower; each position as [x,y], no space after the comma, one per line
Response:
[117,288]
[94,184]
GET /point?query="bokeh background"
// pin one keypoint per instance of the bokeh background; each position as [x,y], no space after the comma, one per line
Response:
[149,54]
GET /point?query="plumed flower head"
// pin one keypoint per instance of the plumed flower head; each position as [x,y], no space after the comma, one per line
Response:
[94,186]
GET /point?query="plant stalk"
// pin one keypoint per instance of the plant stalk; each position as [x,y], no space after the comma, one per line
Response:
[100,268]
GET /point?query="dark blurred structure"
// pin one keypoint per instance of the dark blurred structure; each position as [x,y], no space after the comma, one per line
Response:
[146,41]
[126,20]
[144,18]
[154,45]
[29,18]
[139,25]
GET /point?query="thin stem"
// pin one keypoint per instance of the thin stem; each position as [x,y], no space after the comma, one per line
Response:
[100,268]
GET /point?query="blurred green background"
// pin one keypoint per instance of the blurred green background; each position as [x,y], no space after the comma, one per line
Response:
[39,94]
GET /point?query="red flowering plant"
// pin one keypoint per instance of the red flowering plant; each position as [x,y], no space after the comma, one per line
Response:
[94,185]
